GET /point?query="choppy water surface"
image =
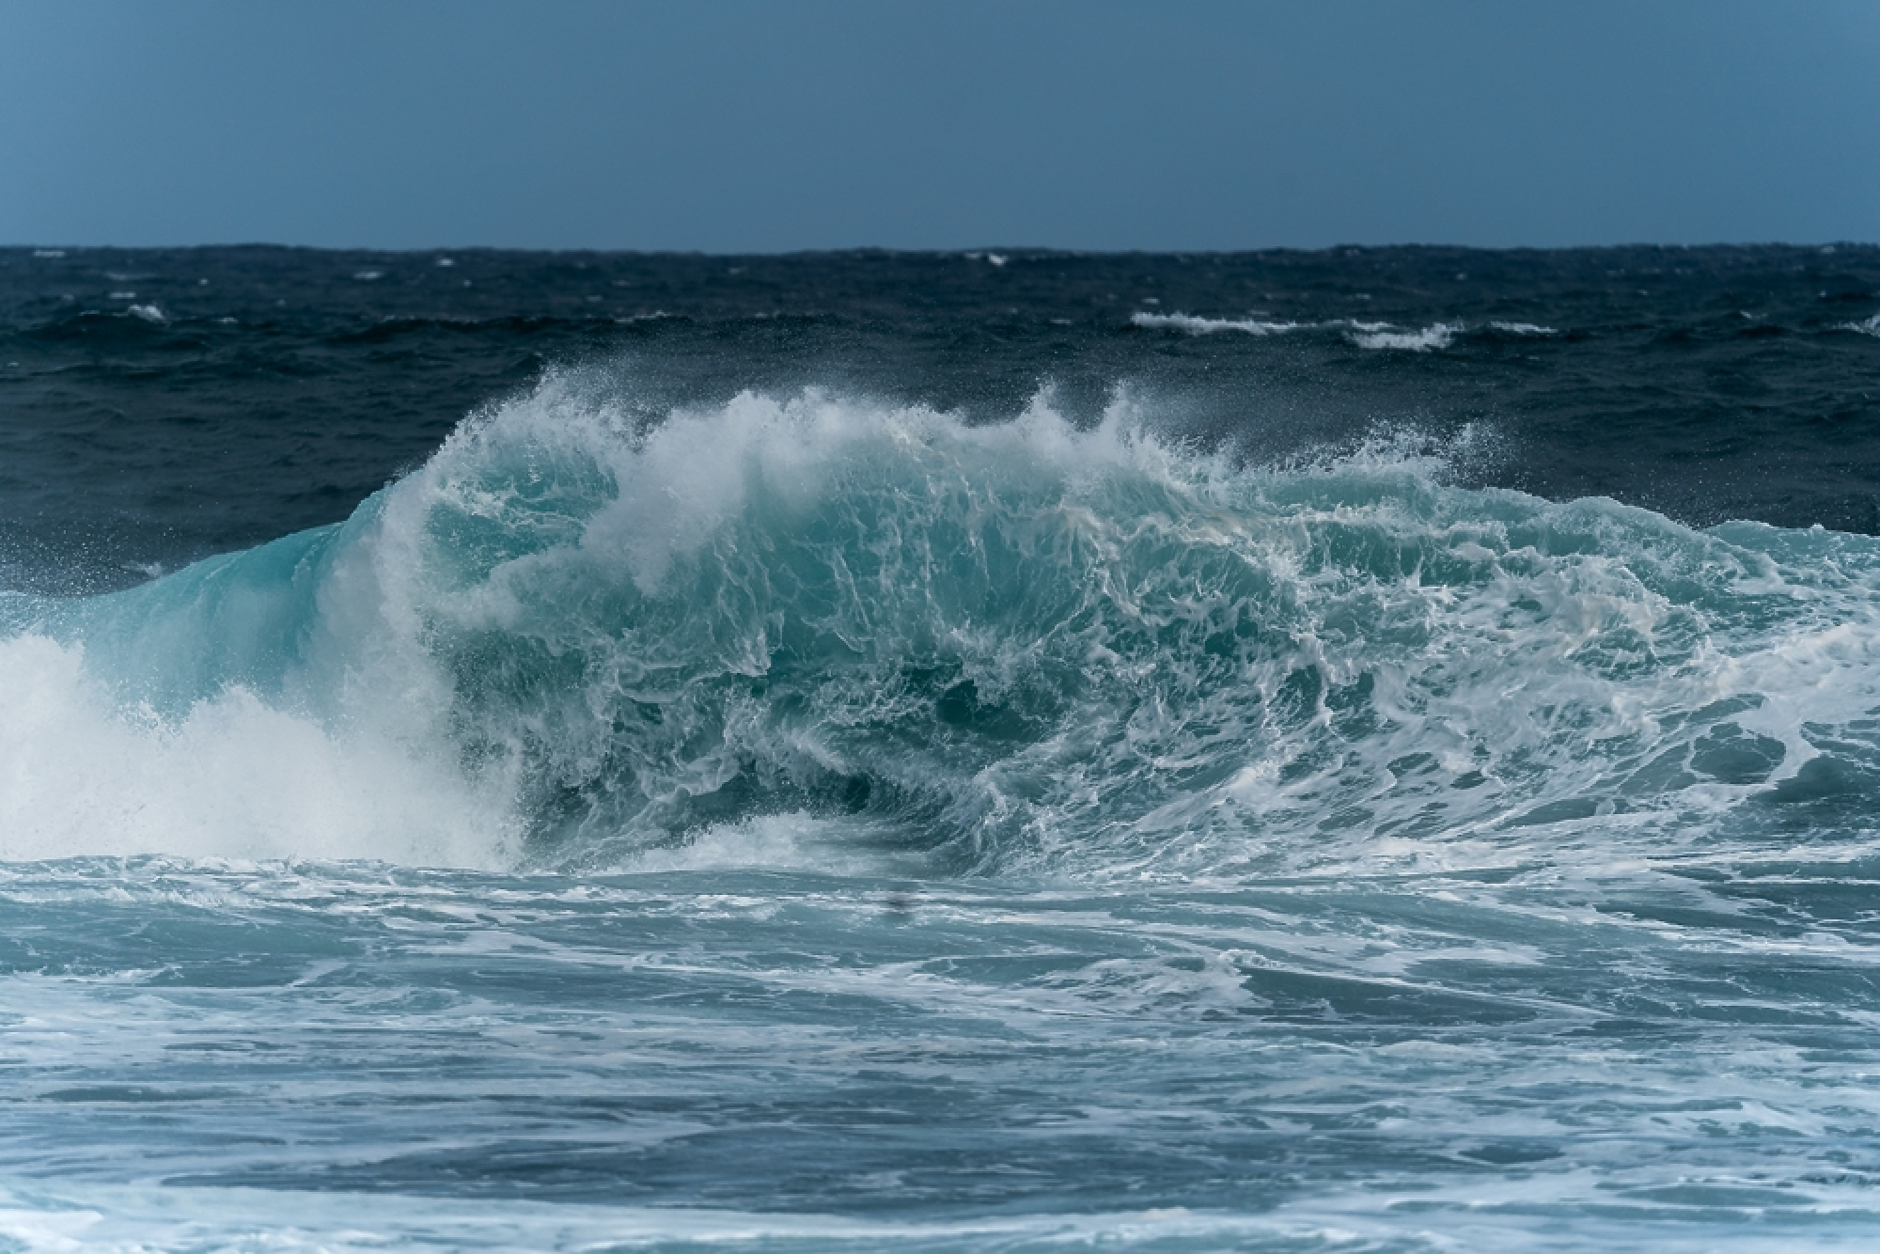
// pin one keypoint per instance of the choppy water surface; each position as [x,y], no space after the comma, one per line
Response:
[1352,751]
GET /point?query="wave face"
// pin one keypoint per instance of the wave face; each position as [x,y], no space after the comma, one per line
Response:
[573,639]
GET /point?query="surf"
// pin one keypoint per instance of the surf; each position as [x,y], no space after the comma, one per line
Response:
[836,631]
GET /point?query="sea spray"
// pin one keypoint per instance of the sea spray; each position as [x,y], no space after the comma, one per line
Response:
[1019,647]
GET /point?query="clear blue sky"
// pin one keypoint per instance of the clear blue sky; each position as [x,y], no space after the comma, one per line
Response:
[727,125]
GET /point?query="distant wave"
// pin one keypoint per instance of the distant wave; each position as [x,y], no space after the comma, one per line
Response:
[1382,335]
[1523,328]
[1192,325]
[1870,327]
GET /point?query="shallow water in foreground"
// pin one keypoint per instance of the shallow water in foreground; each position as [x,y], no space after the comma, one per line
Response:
[1654,1055]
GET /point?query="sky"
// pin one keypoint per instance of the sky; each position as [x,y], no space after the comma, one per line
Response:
[761,125]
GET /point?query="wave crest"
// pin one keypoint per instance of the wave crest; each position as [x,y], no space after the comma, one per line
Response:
[811,623]
[1193,325]
[1376,335]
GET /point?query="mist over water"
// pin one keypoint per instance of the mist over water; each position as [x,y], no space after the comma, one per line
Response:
[838,761]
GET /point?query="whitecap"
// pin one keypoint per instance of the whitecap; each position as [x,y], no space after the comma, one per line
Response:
[367,276]
[1383,335]
[1870,327]
[1523,328]
[231,777]
[149,313]
[1192,325]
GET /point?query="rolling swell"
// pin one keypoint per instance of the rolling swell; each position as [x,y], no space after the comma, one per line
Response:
[812,629]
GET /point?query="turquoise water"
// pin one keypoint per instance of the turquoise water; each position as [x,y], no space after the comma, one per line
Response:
[808,822]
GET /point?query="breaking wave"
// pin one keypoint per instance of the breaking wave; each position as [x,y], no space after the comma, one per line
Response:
[815,630]
[1192,325]
[1383,335]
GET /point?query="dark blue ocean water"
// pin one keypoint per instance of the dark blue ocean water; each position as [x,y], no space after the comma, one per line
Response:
[1364,750]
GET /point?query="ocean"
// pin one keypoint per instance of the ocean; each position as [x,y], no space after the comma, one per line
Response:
[1362,750]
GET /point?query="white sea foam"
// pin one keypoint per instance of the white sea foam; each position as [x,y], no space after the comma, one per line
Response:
[1381,335]
[1192,325]
[795,841]
[285,1025]
[234,777]
[144,1219]
[1870,327]
[149,313]
[1523,328]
